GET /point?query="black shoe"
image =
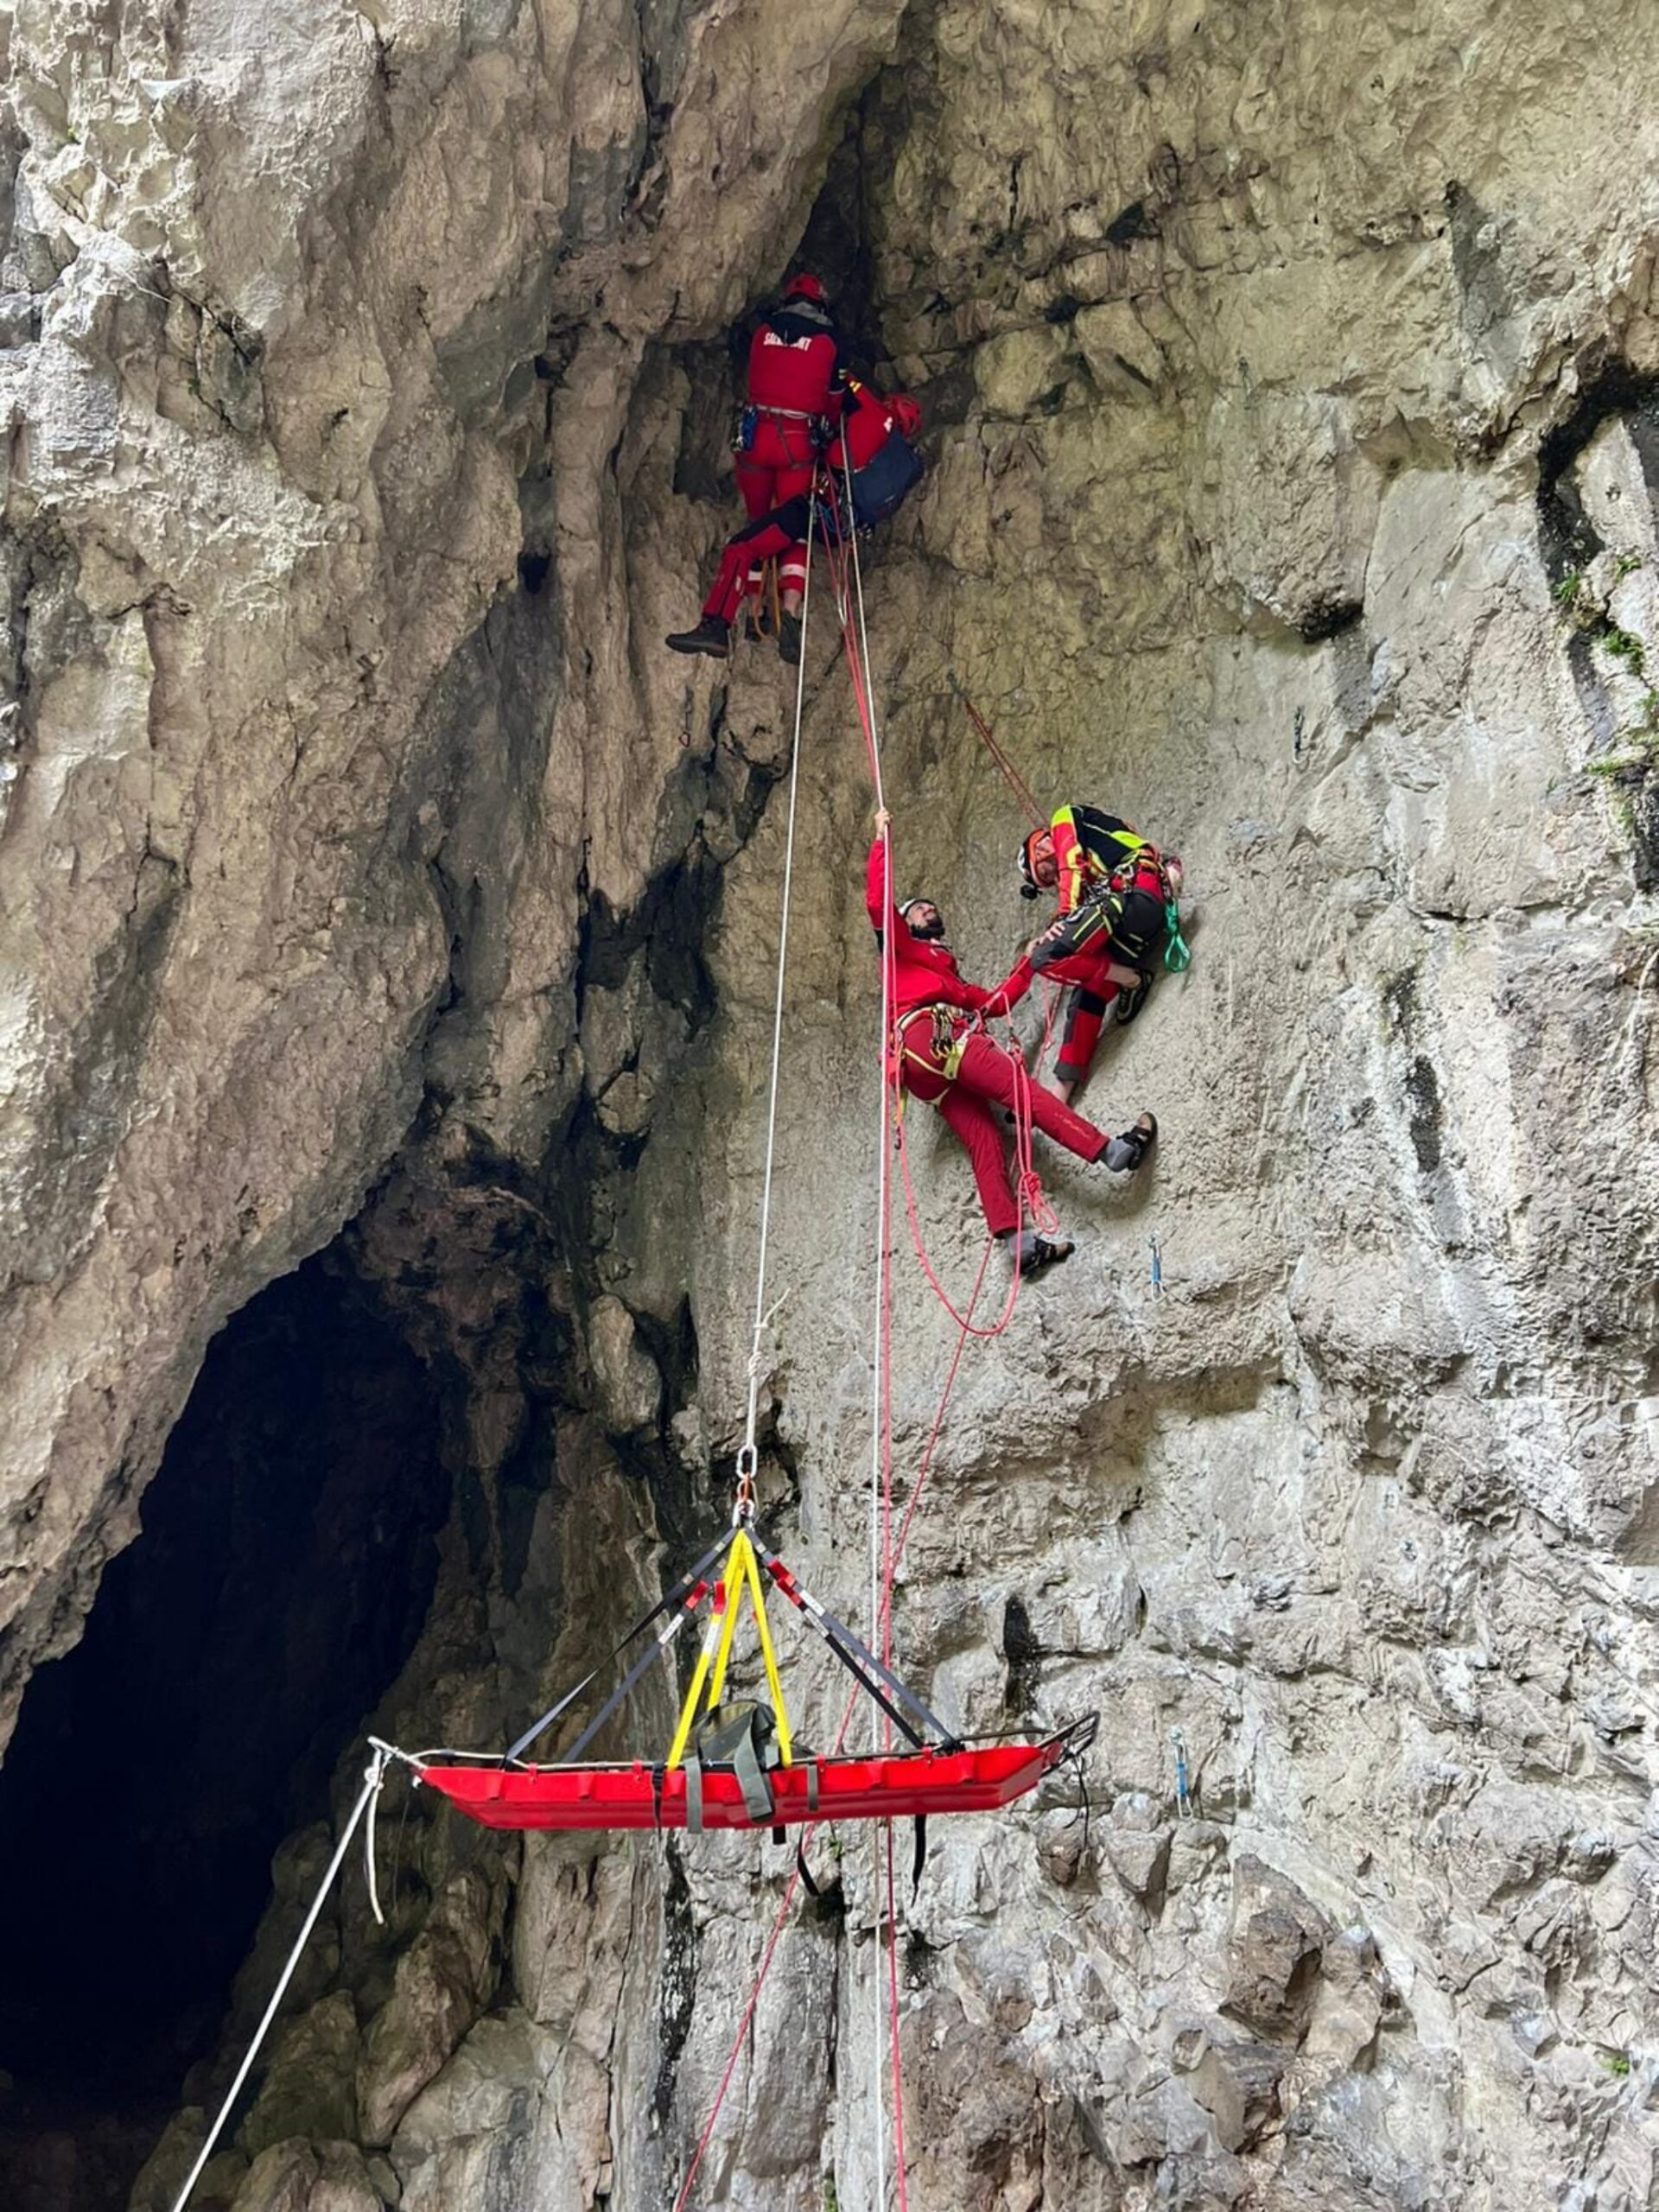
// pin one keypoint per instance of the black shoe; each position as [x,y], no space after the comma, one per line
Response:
[1127,1004]
[711,636]
[1125,1154]
[1033,1251]
[789,639]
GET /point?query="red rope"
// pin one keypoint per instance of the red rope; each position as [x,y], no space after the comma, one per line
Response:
[1028,1185]
[1017,783]
[884,1389]
[755,1987]
[812,1826]
[892,1552]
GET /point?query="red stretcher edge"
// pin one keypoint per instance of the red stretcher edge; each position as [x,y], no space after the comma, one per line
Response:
[896,1787]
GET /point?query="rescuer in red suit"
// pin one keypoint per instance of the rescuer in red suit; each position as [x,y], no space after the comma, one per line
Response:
[1118,899]
[868,422]
[794,391]
[794,403]
[938,1055]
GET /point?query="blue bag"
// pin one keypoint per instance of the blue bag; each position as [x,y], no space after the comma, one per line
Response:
[886,480]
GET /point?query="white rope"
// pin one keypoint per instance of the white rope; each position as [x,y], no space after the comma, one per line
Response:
[758,1363]
[877,2073]
[372,1780]
[368,1854]
[747,1457]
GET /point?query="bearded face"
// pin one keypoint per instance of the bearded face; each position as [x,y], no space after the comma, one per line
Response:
[925,920]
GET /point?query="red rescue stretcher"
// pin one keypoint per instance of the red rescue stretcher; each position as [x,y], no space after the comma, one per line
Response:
[736,1765]
[900,1786]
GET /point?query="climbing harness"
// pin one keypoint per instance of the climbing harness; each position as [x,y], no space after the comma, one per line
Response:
[753,415]
[1178,954]
[949,1030]
[1028,1188]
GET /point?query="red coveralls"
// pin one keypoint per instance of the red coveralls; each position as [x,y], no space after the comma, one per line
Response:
[868,423]
[794,363]
[925,978]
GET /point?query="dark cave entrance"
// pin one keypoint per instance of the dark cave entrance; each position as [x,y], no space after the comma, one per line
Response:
[286,1563]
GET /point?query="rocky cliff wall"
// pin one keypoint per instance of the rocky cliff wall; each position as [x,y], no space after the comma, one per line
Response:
[1290,381]
[326,331]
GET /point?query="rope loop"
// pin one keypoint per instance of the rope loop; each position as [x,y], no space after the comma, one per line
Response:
[374,1776]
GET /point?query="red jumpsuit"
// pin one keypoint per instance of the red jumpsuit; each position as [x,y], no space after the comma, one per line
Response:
[926,979]
[869,422]
[794,365]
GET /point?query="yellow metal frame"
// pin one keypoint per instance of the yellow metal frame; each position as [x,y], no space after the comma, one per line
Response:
[742,1570]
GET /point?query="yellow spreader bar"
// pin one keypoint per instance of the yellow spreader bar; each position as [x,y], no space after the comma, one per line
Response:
[741,1569]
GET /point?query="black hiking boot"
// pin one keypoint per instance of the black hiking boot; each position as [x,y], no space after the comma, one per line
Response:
[1125,1154]
[789,639]
[712,636]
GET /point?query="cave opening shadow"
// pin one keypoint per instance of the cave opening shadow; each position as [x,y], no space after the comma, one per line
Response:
[285,1566]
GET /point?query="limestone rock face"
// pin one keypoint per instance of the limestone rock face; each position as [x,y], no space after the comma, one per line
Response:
[314,357]
[1290,374]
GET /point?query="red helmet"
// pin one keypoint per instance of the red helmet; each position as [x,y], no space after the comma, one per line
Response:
[806,286]
[1029,886]
[907,414]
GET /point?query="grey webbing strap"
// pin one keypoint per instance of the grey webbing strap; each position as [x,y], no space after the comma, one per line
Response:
[547,1719]
[693,1794]
[874,1690]
[751,1777]
[812,1785]
[813,1890]
[930,1721]
[676,1596]
[861,1662]
[624,1688]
